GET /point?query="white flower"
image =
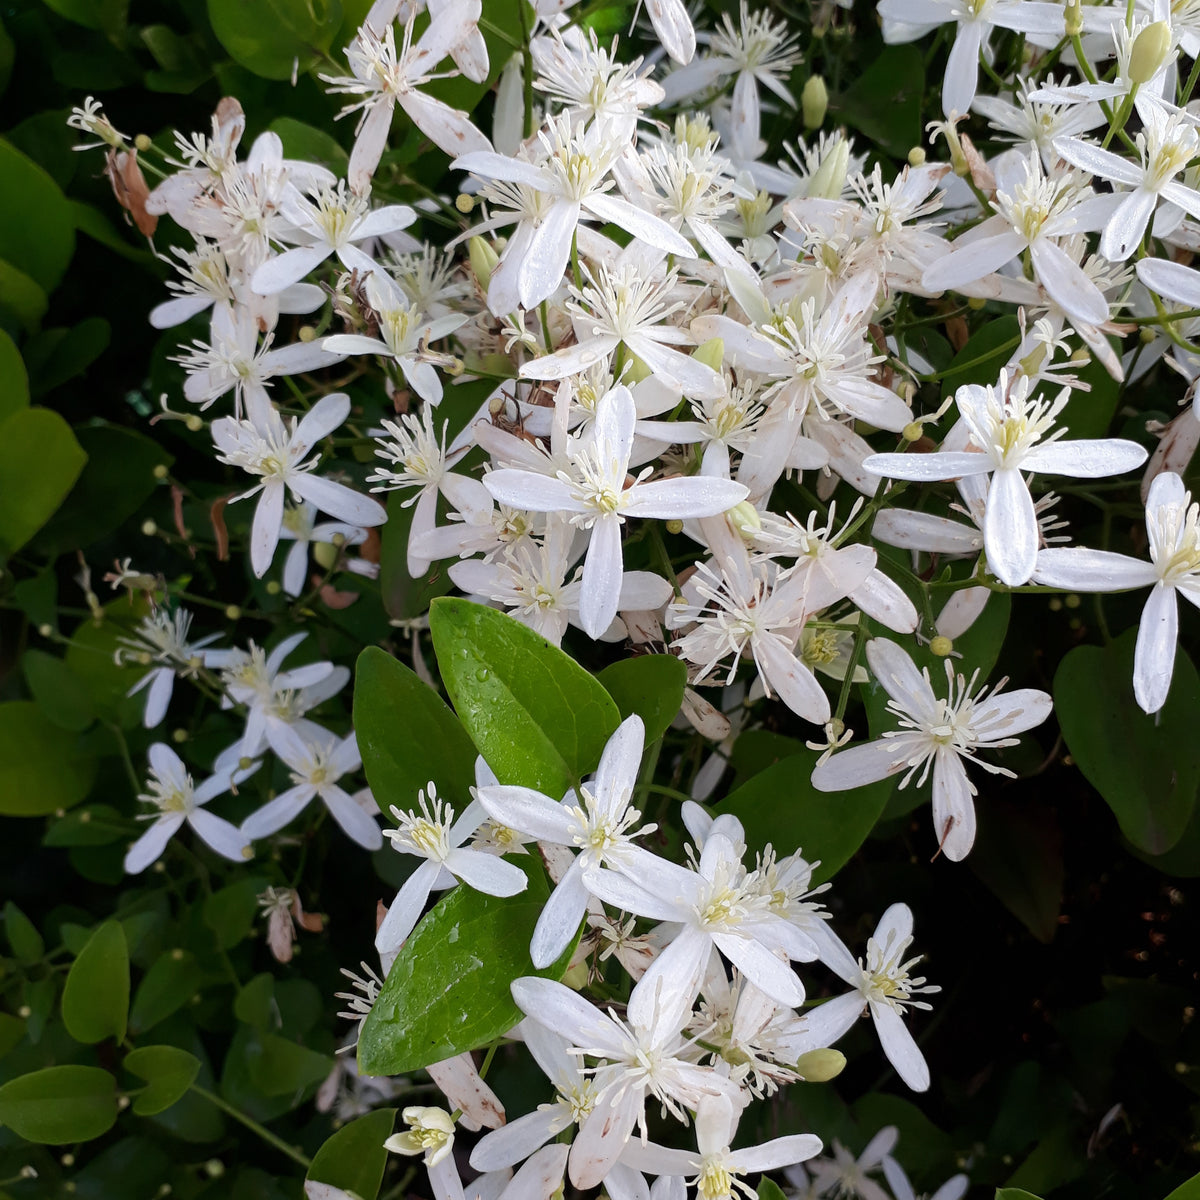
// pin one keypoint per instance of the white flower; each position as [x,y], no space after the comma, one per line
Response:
[434,835]
[316,763]
[163,637]
[599,822]
[1166,144]
[846,1176]
[1173,531]
[177,799]
[935,734]
[430,1133]
[268,448]
[598,496]
[883,985]
[1011,432]
[300,527]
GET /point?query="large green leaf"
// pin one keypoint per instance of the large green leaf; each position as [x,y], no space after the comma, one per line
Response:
[884,102]
[14,380]
[1145,767]
[537,717]
[650,685]
[274,38]
[407,735]
[23,935]
[168,1072]
[1188,1190]
[354,1159]
[172,981]
[60,1105]
[37,228]
[39,463]
[40,770]
[95,1002]
[449,988]
[59,692]
[781,806]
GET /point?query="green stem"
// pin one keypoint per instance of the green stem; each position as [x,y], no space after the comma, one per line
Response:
[250,1123]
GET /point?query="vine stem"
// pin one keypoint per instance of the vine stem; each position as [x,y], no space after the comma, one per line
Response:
[250,1123]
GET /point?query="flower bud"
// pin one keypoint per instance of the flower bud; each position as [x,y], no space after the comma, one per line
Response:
[161,471]
[814,102]
[194,423]
[464,203]
[306,333]
[576,977]
[914,431]
[483,260]
[142,142]
[149,527]
[941,646]
[820,1066]
[233,612]
[827,181]
[635,371]
[976,303]
[916,156]
[711,353]
[675,525]
[1074,17]
[744,519]
[273,587]
[326,554]
[1149,53]
[179,736]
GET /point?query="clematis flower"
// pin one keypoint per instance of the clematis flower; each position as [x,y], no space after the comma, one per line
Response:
[433,834]
[1011,433]
[597,496]
[268,448]
[1173,531]
[935,735]
[170,790]
[162,637]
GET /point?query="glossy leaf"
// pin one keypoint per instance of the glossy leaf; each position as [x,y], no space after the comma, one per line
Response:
[1188,1190]
[1145,767]
[274,38]
[59,1105]
[40,769]
[23,936]
[170,983]
[14,381]
[279,1067]
[40,460]
[407,735]
[650,685]
[95,1002]
[354,1159]
[448,990]
[59,692]
[21,297]
[780,806]
[1018,856]
[884,102]
[37,231]
[537,717]
[768,1189]
[230,912]
[167,1070]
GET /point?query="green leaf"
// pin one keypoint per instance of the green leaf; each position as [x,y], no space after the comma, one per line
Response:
[282,1068]
[56,355]
[230,912]
[95,1002]
[91,221]
[884,102]
[448,990]
[170,983]
[1014,1194]
[255,1002]
[1018,856]
[106,15]
[768,1189]
[92,656]
[116,482]
[407,735]
[91,825]
[986,351]
[37,230]
[59,1105]
[403,596]
[650,685]
[21,297]
[354,1159]
[59,692]
[310,144]
[39,463]
[12,1030]
[1188,1190]
[23,936]
[40,770]
[781,806]
[168,1071]
[1145,767]
[14,381]
[537,717]
[274,38]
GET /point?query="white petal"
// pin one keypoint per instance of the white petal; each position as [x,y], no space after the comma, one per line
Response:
[356,823]
[1091,459]
[962,69]
[277,813]
[860,765]
[684,497]
[923,468]
[338,500]
[1154,657]
[953,807]
[149,847]
[602,571]
[287,268]
[903,1053]
[405,910]
[264,531]
[1080,569]
[541,271]
[487,873]
[1010,528]
[226,839]
[1067,284]
[786,675]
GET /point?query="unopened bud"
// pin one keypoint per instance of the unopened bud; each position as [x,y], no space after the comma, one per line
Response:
[45,629]
[179,736]
[1147,335]
[827,181]
[916,156]
[232,612]
[464,203]
[745,519]
[711,353]
[274,587]
[142,142]
[149,527]
[941,646]
[214,1168]
[576,977]
[326,554]
[306,333]
[814,102]
[194,423]
[635,371]
[976,303]
[1074,18]
[483,260]
[160,471]
[675,525]
[1149,53]
[914,431]
[245,763]
[1072,601]
[820,1066]
[67,1160]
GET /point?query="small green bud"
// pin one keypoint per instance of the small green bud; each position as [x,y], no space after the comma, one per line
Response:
[326,554]
[976,303]
[1150,50]
[745,519]
[274,587]
[576,977]
[635,371]
[194,423]
[827,181]
[464,203]
[179,736]
[1072,601]
[820,1066]
[916,156]
[233,612]
[711,353]
[483,260]
[941,646]
[914,431]
[160,471]
[306,333]
[675,525]
[814,102]
[150,527]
